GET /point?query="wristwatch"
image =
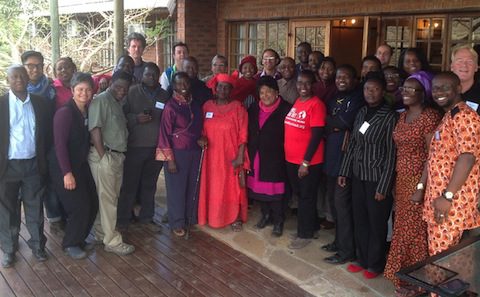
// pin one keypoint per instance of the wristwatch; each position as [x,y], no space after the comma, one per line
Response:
[420,186]
[448,195]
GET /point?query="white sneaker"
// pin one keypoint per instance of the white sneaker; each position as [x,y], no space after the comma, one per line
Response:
[122,249]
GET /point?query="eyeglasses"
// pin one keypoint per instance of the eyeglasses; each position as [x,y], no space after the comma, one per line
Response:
[392,75]
[33,66]
[469,62]
[409,90]
[218,65]
[269,59]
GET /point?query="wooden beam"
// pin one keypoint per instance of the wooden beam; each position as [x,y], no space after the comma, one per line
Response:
[118,28]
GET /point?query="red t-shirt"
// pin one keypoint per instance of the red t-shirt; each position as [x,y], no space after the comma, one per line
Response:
[298,125]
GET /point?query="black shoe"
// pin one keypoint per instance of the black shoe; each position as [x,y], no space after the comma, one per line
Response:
[277,230]
[264,221]
[8,260]
[330,247]
[40,254]
[75,252]
[337,259]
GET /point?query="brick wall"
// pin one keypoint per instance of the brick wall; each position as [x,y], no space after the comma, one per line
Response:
[197,26]
[235,10]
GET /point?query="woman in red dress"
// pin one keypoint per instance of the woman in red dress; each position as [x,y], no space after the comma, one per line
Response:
[412,136]
[223,199]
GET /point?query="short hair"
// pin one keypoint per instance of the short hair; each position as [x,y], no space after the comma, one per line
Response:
[349,68]
[309,74]
[219,57]
[81,77]
[127,57]
[182,44]
[277,56]
[16,67]
[448,74]
[65,59]
[390,49]
[376,76]
[136,36]
[329,60]
[288,59]
[305,44]
[153,66]
[373,59]
[191,59]
[267,81]
[122,75]
[468,47]
[178,75]
[29,54]
[390,67]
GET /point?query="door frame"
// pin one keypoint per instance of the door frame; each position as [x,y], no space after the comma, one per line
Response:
[292,24]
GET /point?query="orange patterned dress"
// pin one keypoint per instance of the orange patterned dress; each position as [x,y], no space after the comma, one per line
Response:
[409,241]
[458,133]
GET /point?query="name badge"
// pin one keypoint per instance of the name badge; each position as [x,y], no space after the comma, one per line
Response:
[209,115]
[400,110]
[159,105]
[364,127]
[472,105]
[86,122]
[437,135]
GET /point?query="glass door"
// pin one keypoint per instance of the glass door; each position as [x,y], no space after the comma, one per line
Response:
[315,32]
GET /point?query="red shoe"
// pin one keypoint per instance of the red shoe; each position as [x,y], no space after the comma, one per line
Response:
[369,274]
[353,268]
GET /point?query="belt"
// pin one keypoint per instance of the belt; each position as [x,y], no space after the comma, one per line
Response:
[110,150]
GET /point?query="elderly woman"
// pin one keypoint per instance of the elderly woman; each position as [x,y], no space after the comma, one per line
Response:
[63,71]
[266,181]
[304,146]
[412,137]
[74,181]
[180,129]
[370,164]
[223,199]
[270,61]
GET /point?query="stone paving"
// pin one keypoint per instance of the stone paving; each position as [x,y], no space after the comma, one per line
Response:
[304,267]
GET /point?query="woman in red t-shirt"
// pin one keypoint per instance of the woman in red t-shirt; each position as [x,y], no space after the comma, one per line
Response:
[304,145]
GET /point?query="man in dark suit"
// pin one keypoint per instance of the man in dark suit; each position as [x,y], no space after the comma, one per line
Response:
[25,127]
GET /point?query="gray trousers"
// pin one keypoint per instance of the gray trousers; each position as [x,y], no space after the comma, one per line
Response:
[21,178]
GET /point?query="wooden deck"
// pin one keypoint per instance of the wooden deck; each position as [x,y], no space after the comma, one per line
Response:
[161,266]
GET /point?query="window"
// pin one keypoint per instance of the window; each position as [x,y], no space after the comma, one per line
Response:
[464,29]
[397,34]
[429,36]
[252,38]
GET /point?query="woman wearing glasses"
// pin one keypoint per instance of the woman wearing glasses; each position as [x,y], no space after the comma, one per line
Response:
[412,136]
[270,61]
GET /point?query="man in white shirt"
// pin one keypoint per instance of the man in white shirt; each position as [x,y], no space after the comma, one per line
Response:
[180,52]
[25,137]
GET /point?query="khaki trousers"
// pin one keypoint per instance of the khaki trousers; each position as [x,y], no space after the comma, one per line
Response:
[107,173]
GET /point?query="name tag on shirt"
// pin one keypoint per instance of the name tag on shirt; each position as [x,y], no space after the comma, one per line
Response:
[364,127]
[472,105]
[86,122]
[159,105]
[209,115]
[437,135]
[400,110]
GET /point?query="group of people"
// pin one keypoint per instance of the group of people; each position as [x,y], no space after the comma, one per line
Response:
[401,138]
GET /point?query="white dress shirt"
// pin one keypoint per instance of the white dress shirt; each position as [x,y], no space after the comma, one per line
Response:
[22,128]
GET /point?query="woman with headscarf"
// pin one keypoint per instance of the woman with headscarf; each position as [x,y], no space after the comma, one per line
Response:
[266,133]
[244,83]
[223,199]
[180,129]
[412,137]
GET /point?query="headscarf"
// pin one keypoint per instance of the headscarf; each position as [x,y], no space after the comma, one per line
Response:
[248,59]
[425,79]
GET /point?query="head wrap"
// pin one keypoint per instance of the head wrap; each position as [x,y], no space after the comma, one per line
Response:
[248,59]
[425,79]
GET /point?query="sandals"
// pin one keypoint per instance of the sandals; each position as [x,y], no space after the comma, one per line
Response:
[179,232]
[237,226]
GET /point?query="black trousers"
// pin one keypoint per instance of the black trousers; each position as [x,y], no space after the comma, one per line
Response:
[370,217]
[306,190]
[341,199]
[182,193]
[274,208]
[140,176]
[80,205]
[21,177]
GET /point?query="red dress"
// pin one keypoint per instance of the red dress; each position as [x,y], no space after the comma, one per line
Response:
[221,198]
[409,241]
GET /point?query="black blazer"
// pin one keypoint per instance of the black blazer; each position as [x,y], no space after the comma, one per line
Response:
[371,156]
[268,141]
[43,131]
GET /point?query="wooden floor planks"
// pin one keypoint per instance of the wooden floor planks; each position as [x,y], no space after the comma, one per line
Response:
[162,265]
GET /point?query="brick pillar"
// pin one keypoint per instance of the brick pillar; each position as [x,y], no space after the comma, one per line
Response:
[197,27]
